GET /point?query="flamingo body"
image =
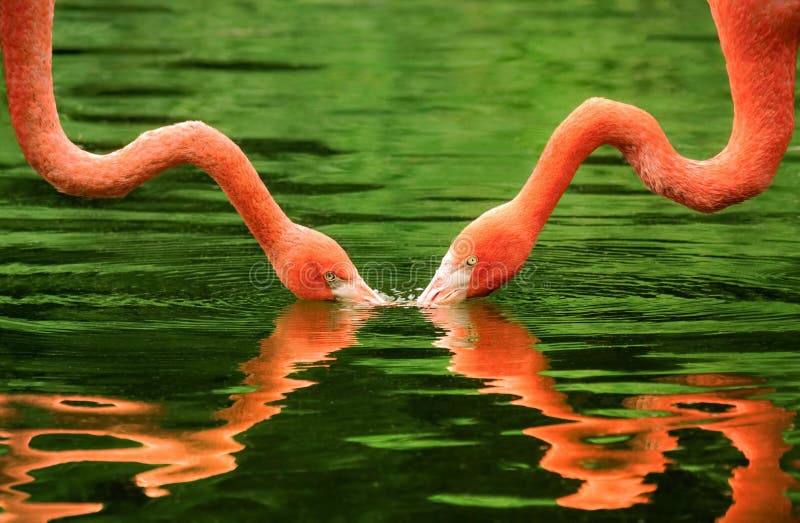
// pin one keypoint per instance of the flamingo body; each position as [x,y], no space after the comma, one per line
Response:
[302,257]
[759,40]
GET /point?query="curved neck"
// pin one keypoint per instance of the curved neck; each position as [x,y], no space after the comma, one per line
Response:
[26,32]
[759,42]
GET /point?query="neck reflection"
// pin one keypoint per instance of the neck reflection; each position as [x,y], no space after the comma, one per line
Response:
[306,332]
[612,457]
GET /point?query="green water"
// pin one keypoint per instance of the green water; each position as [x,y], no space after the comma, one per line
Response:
[152,369]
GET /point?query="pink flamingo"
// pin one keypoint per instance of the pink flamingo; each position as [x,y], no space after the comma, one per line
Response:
[759,39]
[309,263]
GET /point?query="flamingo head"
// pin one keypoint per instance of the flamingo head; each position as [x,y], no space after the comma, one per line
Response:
[486,255]
[314,267]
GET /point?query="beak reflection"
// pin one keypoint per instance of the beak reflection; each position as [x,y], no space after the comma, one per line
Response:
[614,458]
[306,332]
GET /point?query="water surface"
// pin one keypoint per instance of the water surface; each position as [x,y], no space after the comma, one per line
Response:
[642,368]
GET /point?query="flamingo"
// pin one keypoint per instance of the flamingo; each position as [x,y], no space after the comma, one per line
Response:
[309,263]
[759,40]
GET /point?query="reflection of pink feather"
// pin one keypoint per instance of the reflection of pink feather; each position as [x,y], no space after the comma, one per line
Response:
[305,333]
[487,346]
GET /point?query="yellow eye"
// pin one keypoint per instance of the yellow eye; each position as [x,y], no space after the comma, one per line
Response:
[471,261]
[330,276]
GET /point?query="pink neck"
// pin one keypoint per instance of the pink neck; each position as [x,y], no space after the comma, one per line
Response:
[759,42]
[26,32]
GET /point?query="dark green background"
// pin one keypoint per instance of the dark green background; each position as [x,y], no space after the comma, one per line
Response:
[389,125]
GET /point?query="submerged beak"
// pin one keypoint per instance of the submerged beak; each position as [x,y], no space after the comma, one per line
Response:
[449,285]
[357,291]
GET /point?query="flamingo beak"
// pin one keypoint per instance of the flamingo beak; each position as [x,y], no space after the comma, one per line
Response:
[357,291]
[449,285]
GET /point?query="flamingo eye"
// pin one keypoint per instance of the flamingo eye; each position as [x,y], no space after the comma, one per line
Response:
[471,261]
[330,276]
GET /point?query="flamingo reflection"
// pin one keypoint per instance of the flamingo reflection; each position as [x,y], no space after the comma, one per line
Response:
[487,346]
[306,332]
